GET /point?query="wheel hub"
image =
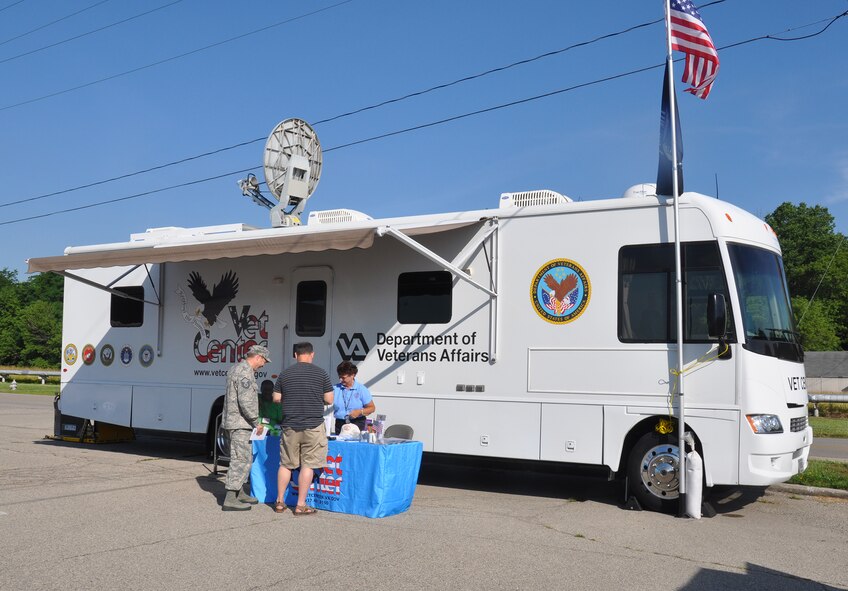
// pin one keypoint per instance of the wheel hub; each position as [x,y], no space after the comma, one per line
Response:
[660,471]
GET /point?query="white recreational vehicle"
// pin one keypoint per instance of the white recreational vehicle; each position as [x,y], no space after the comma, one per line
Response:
[542,329]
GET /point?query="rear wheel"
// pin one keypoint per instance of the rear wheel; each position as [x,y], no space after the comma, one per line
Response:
[653,470]
[212,428]
[222,441]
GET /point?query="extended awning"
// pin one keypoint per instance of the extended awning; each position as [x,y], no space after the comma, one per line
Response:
[229,245]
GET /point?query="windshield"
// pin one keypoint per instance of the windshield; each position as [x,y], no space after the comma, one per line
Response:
[767,320]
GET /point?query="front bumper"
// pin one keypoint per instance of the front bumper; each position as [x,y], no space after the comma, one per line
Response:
[771,459]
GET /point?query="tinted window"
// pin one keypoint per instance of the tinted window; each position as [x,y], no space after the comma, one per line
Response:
[424,297]
[646,297]
[311,315]
[127,312]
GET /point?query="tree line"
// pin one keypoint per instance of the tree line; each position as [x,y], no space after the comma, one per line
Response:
[30,320]
[815,258]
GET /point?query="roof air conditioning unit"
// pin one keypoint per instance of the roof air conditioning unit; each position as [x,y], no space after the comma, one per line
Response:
[336,216]
[530,198]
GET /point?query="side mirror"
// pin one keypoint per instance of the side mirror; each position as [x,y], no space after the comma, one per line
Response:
[716,315]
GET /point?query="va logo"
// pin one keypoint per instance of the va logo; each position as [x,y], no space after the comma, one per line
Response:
[352,348]
[560,291]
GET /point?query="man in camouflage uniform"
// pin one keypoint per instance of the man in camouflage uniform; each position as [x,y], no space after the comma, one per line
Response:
[241,415]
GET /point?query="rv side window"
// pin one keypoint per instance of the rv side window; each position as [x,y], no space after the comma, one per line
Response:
[424,297]
[311,315]
[127,312]
[646,312]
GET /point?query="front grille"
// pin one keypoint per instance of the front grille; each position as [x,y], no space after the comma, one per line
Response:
[798,424]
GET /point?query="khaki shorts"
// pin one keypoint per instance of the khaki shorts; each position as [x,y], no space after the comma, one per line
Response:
[304,448]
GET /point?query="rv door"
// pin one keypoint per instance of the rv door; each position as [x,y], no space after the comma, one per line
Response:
[311,315]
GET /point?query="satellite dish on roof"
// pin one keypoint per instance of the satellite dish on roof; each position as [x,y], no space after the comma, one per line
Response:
[292,169]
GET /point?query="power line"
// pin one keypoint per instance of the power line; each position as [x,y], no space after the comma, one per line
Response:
[421,126]
[163,61]
[128,197]
[58,20]
[124,176]
[347,114]
[403,131]
[81,35]
[7,7]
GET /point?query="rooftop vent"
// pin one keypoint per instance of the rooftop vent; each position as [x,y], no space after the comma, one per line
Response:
[336,216]
[641,190]
[530,198]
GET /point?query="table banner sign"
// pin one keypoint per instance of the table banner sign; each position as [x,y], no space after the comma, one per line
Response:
[367,479]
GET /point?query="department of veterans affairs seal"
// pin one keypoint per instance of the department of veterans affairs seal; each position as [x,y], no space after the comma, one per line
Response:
[560,291]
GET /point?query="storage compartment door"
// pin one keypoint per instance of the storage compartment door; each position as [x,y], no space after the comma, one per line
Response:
[161,408]
[499,429]
[572,433]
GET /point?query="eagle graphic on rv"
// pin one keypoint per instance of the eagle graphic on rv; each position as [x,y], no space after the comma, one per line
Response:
[213,303]
[563,293]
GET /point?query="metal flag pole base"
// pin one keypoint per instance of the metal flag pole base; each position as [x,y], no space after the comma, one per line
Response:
[681,505]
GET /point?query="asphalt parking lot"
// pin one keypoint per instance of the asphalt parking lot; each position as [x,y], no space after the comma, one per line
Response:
[146,515]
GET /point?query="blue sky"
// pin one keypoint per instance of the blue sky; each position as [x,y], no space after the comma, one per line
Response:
[773,129]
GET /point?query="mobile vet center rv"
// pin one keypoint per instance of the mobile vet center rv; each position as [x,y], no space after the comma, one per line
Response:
[543,329]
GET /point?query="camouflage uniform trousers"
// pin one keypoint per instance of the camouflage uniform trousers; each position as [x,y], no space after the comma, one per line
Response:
[241,457]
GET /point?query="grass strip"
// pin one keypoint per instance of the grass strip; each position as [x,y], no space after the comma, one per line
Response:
[824,474]
[829,427]
[45,389]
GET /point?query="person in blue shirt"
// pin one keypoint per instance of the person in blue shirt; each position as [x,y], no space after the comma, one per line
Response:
[352,400]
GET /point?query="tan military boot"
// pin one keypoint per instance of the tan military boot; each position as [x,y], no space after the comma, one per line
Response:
[231,503]
[246,498]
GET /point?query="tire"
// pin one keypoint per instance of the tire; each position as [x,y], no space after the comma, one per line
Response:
[211,430]
[652,472]
[222,440]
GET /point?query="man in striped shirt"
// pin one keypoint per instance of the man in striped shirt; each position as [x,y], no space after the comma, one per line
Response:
[303,389]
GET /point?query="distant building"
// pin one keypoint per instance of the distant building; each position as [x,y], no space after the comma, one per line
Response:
[827,371]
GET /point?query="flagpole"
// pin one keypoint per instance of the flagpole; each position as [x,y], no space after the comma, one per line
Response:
[681,422]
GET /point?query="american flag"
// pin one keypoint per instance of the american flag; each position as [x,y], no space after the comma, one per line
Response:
[689,35]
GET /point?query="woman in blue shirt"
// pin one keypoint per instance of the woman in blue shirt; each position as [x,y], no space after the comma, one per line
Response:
[352,400]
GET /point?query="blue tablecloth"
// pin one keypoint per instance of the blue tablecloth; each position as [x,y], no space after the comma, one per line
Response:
[374,480]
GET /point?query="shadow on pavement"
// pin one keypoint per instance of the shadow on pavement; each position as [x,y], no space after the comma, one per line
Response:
[754,577]
[214,485]
[167,446]
[520,477]
[517,477]
[727,500]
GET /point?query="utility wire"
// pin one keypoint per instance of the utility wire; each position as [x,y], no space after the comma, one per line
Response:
[163,61]
[347,114]
[128,197]
[11,5]
[816,290]
[124,176]
[58,20]
[389,101]
[408,129]
[389,134]
[81,35]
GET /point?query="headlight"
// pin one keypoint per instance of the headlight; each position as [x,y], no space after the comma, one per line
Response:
[765,423]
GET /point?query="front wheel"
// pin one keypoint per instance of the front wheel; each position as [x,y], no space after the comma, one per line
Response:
[653,471]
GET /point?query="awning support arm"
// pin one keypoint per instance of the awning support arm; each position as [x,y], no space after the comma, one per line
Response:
[121,276]
[96,285]
[426,252]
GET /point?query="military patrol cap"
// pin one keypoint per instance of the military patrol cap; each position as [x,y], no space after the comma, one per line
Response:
[261,351]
